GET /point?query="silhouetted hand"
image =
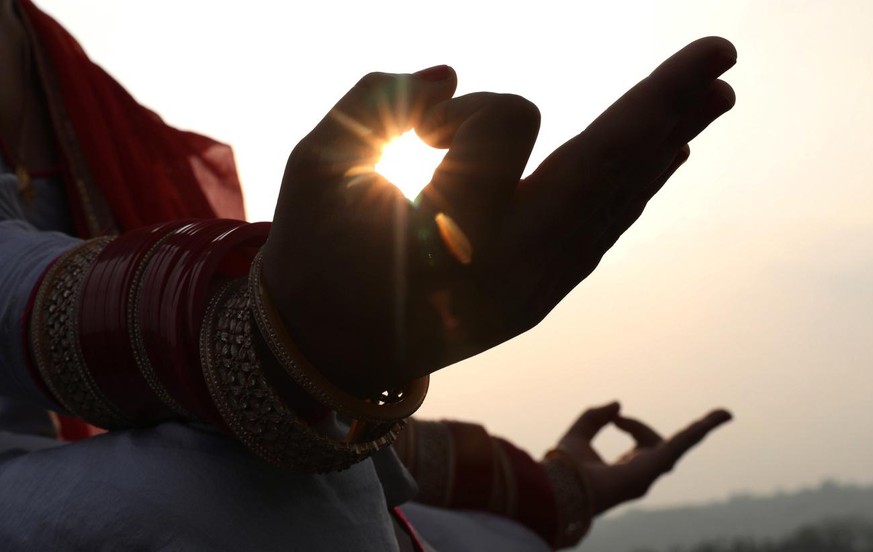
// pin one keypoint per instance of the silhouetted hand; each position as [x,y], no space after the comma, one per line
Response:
[632,475]
[362,278]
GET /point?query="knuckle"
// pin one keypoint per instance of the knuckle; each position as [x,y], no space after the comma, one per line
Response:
[374,81]
[303,158]
[382,87]
[640,490]
[304,151]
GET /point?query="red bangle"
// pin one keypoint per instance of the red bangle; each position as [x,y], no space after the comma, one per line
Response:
[173,297]
[475,466]
[158,310]
[104,327]
[535,499]
[142,306]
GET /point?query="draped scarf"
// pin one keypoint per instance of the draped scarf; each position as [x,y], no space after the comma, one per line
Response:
[146,171]
[143,170]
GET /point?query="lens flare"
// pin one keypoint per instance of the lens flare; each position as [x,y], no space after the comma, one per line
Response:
[409,163]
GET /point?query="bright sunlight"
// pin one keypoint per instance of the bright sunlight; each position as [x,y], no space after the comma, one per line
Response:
[409,163]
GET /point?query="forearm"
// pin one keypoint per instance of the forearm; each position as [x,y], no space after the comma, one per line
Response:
[170,322]
[460,466]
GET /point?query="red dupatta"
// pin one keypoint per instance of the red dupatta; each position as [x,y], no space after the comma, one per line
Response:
[146,171]
[125,167]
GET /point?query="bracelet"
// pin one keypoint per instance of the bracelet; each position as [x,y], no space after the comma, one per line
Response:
[140,352]
[160,312]
[109,332]
[251,407]
[459,465]
[572,497]
[428,453]
[388,406]
[118,324]
[54,338]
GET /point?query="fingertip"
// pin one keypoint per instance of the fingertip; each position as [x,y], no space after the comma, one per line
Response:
[720,416]
[612,408]
[722,46]
[437,73]
[438,82]
[603,412]
[684,153]
[432,128]
[714,53]
[724,94]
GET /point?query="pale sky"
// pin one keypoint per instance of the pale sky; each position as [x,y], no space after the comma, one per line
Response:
[748,282]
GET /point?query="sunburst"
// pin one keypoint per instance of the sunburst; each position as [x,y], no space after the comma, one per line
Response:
[409,163]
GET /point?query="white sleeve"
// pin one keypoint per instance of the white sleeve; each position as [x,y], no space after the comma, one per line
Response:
[462,530]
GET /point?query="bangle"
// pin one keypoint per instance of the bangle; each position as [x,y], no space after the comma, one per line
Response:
[388,406]
[135,334]
[109,334]
[54,338]
[171,299]
[572,497]
[251,407]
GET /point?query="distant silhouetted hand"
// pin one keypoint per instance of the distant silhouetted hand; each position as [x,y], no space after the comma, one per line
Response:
[632,475]
[376,293]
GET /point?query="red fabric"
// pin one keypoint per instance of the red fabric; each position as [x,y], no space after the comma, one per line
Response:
[410,530]
[74,429]
[148,171]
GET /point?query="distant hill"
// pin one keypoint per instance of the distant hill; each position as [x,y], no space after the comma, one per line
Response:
[758,517]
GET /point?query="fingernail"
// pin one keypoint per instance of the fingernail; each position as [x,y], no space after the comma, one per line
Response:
[435,73]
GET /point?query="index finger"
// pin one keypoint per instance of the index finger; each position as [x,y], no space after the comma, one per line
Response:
[490,137]
[644,435]
[680,443]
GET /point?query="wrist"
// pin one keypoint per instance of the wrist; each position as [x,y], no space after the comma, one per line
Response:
[334,329]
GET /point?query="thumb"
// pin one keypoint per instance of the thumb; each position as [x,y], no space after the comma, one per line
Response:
[593,420]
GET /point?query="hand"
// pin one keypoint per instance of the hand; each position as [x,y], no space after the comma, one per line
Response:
[348,258]
[632,475]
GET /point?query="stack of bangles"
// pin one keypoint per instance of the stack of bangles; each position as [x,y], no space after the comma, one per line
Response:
[175,322]
[459,465]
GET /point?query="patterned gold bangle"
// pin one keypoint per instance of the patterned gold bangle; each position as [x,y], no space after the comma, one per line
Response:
[572,497]
[54,339]
[388,406]
[252,409]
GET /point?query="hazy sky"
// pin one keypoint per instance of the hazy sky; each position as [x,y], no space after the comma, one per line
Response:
[748,282]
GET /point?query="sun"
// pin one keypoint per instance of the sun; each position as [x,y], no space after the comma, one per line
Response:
[409,163]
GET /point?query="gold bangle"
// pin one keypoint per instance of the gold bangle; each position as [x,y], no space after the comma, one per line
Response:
[572,497]
[388,406]
[253,410]
[54,338]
